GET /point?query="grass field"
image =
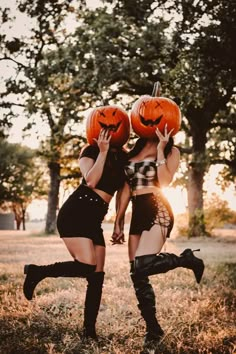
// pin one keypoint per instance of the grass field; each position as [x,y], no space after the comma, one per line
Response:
[196,319]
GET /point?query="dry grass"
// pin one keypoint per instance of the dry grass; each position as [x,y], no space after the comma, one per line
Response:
[196,319]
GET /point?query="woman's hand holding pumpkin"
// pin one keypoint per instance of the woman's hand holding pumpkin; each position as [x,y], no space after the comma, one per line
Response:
[163,138]
[103,140]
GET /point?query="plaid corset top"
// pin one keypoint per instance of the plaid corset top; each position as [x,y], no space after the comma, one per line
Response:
[141,174]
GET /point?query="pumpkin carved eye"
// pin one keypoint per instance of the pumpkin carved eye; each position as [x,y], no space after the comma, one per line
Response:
[112,118]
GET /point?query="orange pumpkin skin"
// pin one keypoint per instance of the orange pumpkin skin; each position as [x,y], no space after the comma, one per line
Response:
[113,118]
[149,113]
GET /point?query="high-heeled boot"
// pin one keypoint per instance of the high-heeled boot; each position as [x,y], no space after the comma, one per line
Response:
[92,303]
[35,273]
[161,263]
[147,306]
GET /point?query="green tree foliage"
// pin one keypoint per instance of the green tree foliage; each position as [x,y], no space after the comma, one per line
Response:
[222,150]
[188,47]
[205,77]
[115,54]
[22,179]
[217,213]
[44,85]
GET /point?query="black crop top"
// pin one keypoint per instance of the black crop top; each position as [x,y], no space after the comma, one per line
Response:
[113,176]
[141,174]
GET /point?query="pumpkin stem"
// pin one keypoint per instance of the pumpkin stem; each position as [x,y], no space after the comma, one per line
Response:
[156,89]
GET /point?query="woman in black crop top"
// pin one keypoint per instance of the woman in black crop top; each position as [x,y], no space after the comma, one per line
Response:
[79,225]
[152,165]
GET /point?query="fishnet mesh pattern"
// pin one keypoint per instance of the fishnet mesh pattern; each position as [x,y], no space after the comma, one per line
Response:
[163,216]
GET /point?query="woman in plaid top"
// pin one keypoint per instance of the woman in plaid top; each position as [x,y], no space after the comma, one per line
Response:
[151,166]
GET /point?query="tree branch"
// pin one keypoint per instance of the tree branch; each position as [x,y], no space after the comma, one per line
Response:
[69,137]
[9,104]
[223,125]
[14,61]
[73,175]
[230,163]
[185,150]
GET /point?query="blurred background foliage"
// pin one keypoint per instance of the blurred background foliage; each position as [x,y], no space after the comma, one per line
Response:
[72,57]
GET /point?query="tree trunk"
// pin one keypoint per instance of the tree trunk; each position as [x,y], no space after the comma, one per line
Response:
[197,169]
[18,216]
[53,197]
[18,223]
[23,218]
[195,202]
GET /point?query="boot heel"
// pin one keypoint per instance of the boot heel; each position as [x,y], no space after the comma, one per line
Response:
[198,271]
[194,263]
[26,268]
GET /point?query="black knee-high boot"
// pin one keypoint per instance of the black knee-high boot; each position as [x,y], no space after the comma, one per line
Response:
[92,303]
[147,306]
[161,263]
[34,273]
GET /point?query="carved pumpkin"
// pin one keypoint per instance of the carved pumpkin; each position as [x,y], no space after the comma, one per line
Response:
[149,113]
[113,118]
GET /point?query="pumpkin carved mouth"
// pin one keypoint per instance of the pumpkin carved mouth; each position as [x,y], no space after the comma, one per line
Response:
[150,122]
[110,127]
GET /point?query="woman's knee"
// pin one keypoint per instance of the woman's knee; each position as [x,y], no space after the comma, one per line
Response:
[85,258]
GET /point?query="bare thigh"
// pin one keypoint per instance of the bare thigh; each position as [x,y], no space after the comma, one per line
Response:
[81,249]
[151,241]
[100,253]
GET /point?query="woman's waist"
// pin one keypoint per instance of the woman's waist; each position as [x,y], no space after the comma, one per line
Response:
[145,190]
[105,196]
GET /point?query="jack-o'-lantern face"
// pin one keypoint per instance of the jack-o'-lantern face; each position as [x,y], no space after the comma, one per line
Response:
[149,113]
[111,118]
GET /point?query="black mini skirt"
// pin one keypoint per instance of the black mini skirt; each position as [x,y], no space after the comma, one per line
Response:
[82,215]
[148,210]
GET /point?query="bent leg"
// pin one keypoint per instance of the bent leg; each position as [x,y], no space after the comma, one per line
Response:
[84,263]
[149,260]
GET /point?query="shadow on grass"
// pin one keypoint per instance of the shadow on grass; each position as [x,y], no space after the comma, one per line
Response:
[44,332]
